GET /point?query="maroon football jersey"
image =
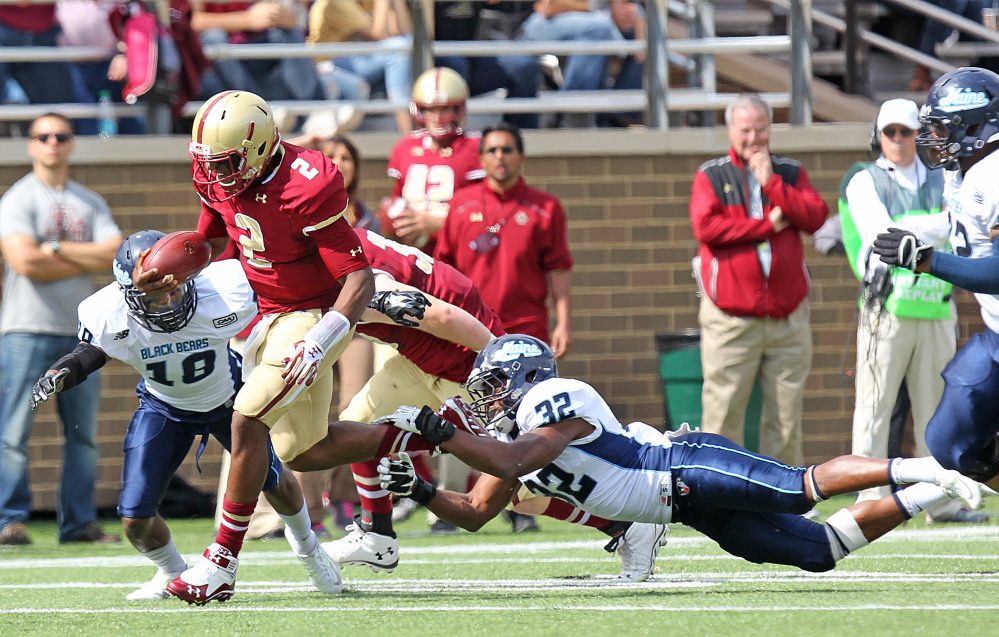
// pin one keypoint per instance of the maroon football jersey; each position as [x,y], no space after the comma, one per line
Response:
[294,240]
[426,178]
[408,265]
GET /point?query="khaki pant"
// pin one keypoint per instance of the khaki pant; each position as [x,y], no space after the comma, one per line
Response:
[733,351]
[890,349]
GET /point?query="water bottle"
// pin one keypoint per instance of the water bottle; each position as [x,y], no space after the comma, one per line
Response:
[107,125]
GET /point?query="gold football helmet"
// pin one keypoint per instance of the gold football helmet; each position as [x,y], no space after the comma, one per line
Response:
[440,87]
[233,138]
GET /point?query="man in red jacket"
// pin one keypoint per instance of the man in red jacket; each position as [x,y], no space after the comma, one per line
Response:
[748,210]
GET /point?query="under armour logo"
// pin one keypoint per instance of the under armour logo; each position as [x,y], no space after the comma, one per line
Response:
[356,251]
[262,198]
[381,556]
[191,590]
[727,188]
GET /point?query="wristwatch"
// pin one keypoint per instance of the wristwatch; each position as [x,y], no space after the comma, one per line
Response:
[54,246]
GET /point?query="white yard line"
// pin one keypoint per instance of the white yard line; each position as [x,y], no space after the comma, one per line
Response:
[544,608]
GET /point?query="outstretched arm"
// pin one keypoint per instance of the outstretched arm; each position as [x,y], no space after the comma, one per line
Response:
[441,319]
[469,510]
[68,372]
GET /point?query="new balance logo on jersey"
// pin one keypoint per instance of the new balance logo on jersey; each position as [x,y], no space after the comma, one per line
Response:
[512,350]
[222,321]
[120,335]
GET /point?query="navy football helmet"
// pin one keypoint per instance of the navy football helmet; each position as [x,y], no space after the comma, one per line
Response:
[164,313]
[504,371]
[959,117]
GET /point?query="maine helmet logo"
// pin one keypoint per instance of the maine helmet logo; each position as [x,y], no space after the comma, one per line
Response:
[962,99]
[512,350]
[123,278]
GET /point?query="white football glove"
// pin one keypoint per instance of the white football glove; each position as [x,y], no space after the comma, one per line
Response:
[404,418]
[50,383]
[301,365]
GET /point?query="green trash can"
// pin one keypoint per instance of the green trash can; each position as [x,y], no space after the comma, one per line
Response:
[680,371]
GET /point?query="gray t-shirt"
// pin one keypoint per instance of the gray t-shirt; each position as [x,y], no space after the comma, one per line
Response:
[48,214]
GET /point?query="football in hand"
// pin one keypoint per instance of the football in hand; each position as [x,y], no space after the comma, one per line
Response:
[182,254]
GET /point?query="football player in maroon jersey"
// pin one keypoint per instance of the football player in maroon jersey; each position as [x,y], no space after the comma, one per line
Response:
[430,164]
[284,206]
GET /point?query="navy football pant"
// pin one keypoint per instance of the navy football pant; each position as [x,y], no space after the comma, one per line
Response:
[750,504]
[962,432]
[156,444]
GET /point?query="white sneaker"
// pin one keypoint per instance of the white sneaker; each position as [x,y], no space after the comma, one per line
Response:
[153,589]
[363,548]
[212,577]
[638,550]
[323,572]
[960,486]
[403,509]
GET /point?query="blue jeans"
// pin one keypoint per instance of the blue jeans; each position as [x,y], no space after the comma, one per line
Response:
[278,79]
[24,357]
[89,79]
[42,82]
[390,69]
[582,72]
[518,74]
[935,32]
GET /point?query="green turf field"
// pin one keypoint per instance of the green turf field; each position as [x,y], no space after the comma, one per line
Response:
[939,580]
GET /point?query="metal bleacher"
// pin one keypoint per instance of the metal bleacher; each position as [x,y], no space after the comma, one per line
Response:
[657,99]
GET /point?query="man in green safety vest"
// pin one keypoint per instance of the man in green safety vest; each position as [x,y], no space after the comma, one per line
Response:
[907,322]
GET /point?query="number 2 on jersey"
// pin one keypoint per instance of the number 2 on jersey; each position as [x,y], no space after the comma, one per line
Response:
[252,243]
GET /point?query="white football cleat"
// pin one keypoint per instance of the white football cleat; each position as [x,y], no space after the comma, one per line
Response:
[363,548]
[153,589]
[638,549]
[213,577]
[323,571]
[960,486]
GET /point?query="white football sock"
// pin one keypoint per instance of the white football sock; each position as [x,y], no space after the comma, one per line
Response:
[910,470]
[167,558]
[303,540]
[917,497]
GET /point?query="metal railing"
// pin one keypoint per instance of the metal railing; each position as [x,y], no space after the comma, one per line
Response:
[656,99]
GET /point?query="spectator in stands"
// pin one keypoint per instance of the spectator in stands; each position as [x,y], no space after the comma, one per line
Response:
[265,22]
[935,32]
[510,240]
[748,210]
[575,20]
[54,235]
[34,25]
[519,75]
[354,76]
[629,18]
[86,23]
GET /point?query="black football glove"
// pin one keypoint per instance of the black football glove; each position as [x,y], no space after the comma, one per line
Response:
[399,305]
[901,248]
[50,383]
[399,477]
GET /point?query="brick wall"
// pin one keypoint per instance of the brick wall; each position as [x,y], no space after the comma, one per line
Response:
[626,195]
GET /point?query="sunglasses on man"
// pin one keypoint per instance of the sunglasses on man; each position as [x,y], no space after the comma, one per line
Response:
[891,131]
[61,138]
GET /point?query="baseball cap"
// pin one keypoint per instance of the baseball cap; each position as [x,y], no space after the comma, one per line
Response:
[899,111]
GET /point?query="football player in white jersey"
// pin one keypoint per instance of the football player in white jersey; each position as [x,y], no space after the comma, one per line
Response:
[178,342]
[560,439]
[960,132]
